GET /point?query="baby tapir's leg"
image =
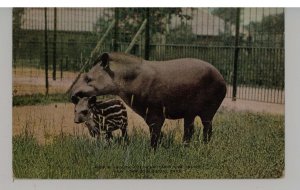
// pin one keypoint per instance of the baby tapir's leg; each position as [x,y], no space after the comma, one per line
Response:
[108,136]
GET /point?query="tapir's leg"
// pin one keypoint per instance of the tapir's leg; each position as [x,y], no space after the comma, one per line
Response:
[124,134]
[188,128]
[155,122]
[206,118]
[108,135]
[207,131]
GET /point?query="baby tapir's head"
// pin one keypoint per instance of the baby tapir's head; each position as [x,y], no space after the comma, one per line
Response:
[82,111]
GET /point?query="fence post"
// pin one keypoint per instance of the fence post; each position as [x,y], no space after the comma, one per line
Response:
[115,42]
[67,63]
[61,68]
[147,35]
[46,53]
[54,45]
[236,54]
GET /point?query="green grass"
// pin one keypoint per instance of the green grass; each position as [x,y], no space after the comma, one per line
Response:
[244,145]
[37,99]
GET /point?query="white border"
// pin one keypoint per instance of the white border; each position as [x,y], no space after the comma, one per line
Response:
[292,88]
[6,96]
[292,173]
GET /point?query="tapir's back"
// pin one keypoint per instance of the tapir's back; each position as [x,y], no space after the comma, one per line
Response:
[185,85]
[186,75]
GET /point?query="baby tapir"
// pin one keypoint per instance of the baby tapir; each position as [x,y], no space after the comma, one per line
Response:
[106,116]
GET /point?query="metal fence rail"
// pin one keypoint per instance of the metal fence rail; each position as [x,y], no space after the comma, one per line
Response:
[251,38]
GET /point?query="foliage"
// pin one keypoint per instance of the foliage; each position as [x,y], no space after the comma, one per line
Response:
[227,14]
[229,17]
[267,32]
[130,20]
[17,21]
[271,24]
[182,34]
[270,31]
[244,145]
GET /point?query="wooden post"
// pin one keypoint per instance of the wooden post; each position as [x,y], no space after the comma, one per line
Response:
[136,37]
[99,44]
[46,53]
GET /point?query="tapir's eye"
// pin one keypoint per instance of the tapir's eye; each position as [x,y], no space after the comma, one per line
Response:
[87,79]
[85,112]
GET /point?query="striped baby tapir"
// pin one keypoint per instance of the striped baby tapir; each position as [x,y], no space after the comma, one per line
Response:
[101,116]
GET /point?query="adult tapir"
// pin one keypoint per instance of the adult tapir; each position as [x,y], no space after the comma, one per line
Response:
[174,89]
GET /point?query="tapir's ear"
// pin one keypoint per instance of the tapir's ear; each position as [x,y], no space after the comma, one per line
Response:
[75,99]
[104,60]
[92,100]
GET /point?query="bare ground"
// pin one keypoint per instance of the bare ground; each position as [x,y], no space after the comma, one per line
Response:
[32,81]
[252,106]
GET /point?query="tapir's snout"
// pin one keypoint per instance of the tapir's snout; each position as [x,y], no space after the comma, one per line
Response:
[78,120]
[76,94]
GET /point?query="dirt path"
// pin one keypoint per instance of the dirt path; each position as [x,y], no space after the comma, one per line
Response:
[252,106]
[32,81]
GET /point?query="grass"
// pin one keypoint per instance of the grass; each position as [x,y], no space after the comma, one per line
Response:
[39,99]
[244,145]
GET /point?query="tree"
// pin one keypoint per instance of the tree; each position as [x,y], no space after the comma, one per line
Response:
[229,17]
[159,19]
[269,31]
[130,19]
[182,34]
[227,14]
[269,24]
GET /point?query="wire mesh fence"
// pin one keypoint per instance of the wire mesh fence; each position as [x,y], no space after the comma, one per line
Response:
[245,44]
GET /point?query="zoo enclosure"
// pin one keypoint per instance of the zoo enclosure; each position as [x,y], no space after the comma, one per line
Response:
[245,44]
